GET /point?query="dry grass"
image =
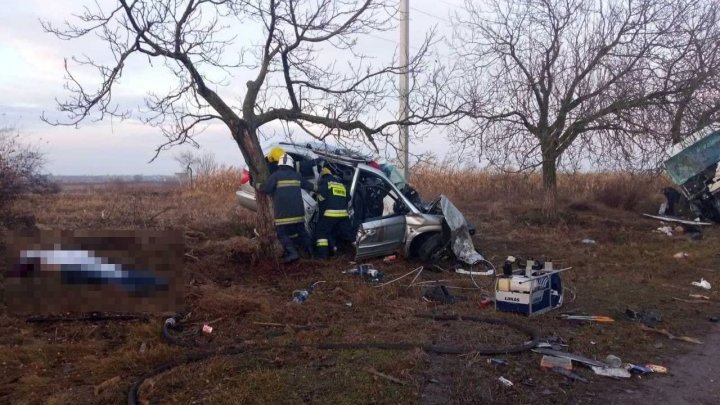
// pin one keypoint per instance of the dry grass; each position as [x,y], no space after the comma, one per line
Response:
[629,267]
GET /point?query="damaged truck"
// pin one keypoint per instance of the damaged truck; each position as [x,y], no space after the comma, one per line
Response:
[694,169]
[386,212]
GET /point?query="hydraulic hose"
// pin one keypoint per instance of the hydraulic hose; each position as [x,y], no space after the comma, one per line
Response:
[133,396]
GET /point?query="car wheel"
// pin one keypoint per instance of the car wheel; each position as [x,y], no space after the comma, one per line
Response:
[432,250]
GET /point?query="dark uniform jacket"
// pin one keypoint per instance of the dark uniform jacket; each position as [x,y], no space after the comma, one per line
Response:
[285,186]
[332,197]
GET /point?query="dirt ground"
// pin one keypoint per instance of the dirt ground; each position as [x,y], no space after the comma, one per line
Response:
[695,379]
[248,301]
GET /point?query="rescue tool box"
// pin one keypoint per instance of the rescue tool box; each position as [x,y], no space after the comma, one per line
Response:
[528,295]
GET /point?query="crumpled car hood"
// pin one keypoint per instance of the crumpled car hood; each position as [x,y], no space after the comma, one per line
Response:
[461,243]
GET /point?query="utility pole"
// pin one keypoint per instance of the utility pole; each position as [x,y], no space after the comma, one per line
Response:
[404,150]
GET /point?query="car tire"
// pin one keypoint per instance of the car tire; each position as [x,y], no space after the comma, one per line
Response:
[431,249]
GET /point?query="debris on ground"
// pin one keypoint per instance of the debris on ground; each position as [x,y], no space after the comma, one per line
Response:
[497,362]
[699,296]
[588,241]
[643,316]
[390,259]
[300,296]
[657,369]
[670,335]
[505,381]
[555,362]
[367,272]
[681,255]
[613,361]
[666,230]
[574,357]
[615,372]
[385,376]
[207,329]
[486,302]
[569,374]
[691,301]
[637,369]
[441,294]
[589,318]
[702,284]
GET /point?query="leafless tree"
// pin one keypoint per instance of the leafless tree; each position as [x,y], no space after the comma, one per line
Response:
[197,165]
[306,71]
[572,79]
[697,106]
[20,174]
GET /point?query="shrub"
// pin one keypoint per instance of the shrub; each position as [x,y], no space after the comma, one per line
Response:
[20,174]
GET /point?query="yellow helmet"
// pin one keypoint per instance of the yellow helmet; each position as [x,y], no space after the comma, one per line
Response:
[275,154]
[325,170]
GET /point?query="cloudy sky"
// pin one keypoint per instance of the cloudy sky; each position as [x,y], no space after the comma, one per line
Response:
[32,77]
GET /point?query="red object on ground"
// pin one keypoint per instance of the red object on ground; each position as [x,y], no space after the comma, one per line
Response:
[390,258]
[485,302]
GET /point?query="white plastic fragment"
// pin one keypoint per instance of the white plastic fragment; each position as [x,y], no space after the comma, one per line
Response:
[702,284]
[505,381]
[611,372]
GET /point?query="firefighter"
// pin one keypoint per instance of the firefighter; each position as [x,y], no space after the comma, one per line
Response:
[285,186]
[334,221]
[273,157]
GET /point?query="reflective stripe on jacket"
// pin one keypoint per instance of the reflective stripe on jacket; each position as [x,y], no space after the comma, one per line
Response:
[332,197]
[285,186]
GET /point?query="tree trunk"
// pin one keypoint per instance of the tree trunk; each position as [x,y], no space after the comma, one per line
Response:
[265,225]
[249,144]
[549,171]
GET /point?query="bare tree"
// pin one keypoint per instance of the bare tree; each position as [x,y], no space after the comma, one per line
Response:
[555,78]
[697,106]
[297,74]
[20,174]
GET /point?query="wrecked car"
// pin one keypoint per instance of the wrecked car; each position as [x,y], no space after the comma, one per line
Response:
[388,214]
[695,170]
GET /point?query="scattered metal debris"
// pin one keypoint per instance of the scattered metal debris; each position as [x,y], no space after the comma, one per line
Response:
[555,362]
[590,318]
[615,372]
[497,362]
[569,374]
[367,272]
[613,361]
[571,356]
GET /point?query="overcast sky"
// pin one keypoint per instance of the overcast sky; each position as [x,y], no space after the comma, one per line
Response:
[31,77]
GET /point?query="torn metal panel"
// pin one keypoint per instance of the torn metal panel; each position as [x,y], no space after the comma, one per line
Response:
[461,243]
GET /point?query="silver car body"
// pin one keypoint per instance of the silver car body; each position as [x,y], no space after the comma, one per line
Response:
[392,232]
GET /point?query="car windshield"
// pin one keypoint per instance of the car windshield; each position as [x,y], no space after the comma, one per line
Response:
[395,175]
[694,159]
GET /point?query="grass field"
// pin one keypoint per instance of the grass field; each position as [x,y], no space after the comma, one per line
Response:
[629,266]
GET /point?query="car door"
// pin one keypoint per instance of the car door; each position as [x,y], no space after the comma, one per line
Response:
[378,235]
